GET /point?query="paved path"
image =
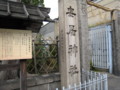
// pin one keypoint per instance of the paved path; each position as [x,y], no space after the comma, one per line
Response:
[113,82]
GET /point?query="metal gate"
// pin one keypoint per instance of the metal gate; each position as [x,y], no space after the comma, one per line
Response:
[101,45]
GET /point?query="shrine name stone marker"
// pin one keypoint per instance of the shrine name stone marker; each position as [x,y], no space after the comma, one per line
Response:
[69,43]
[15,44]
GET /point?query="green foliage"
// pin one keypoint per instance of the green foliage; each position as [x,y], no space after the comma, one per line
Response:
[91,66]
[46,58]
[34,2]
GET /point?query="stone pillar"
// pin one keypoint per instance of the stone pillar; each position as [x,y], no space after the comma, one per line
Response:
[83,32]
[69,43]
[116,43]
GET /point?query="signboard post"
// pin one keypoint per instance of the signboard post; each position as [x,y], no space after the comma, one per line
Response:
[23,75]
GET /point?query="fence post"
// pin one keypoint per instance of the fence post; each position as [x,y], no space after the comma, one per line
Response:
[106,82]
[101,82]
[94,84]
[85,85]
[69,87]
[63,88]
[90,85]
[23,75]
[75,87]
[56,88]
[80,85]
[98,84]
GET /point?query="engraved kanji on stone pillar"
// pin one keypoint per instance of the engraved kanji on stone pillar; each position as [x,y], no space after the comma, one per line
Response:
[70,49]
[73,70]
[75,48]
[71,12]
[72,31]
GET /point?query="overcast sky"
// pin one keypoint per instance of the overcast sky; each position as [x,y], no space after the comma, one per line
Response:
[53,4]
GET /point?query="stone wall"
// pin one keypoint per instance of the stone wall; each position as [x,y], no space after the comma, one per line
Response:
[44,82]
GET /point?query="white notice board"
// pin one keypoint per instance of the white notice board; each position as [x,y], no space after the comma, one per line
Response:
[15,44]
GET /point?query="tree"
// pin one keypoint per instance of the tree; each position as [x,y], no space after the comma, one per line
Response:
[34,2]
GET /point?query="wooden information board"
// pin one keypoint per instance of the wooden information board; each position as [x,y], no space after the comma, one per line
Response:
[15,44]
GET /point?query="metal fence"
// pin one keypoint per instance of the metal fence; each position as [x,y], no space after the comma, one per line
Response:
[94,81]
[101,45]
[45,59]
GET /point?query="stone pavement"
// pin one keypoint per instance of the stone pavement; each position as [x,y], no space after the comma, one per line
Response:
[113,82]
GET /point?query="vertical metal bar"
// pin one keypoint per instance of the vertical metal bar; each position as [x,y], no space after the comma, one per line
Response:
[100,48]
[98,64]
[97,48]
[104,48]
[93,58]
[92,48]
[110,50]
[107,44]
[106,63]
